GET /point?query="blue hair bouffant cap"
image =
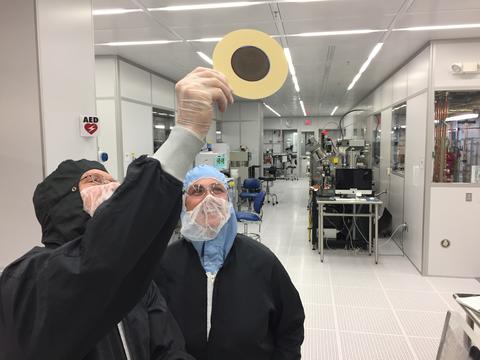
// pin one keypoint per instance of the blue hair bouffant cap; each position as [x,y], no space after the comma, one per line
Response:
[203,171]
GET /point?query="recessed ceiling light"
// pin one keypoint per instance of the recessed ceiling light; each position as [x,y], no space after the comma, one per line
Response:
[335,33]
[211,39]
[303,108]
[114,11]
[334,110]
[365,65]
[272,110]
[133,43]
[439,27]
[208,6]
[205,57]
[462,117]
[161,126]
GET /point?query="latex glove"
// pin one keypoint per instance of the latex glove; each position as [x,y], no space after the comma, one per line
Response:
[196,94]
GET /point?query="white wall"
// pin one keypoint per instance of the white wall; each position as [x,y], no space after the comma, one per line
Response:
[385,150]
[396,199]
[448,52]
[135,83]
[108,140]
[242,124]
[405,194]
[20,143]
[415,177]
[163,93]
[448,215]
[126,95]
[452,218]
[137,131]
[67,78]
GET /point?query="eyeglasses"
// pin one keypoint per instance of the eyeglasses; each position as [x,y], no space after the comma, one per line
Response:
[198,190]
[97,179]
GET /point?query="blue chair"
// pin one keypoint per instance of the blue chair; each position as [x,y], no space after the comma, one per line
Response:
[253,217]
[250,189]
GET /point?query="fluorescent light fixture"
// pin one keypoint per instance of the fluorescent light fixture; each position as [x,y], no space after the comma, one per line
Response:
[224,5]
[334,110]
[303,108]
[403,126]
[205,57]
[114,11]
[295,83]
[336,33]
[161,126]
[211,39]
[291,68]
[365,65]
[272,110]
[133,43]
[218,132]
[288,55]
[462,117]
[399,107]
[439,27]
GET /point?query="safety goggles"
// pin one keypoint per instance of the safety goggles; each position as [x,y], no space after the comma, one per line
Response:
[97,179]
[198,190]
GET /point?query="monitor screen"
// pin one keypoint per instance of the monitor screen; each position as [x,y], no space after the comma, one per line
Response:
[346,179]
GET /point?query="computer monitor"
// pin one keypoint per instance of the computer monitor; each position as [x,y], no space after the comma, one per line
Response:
[353,181]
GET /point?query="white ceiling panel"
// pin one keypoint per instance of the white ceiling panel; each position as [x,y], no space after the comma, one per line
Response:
[219,30]
[133,34]
[441,18]
[325,66]
[368,10]
[433,6]
[113,4]
[122,21]
[203,18]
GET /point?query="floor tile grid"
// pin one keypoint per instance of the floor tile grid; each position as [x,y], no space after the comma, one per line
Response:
[399,323]
[335,316]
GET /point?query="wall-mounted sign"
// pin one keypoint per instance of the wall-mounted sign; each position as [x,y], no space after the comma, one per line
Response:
[308,122]
[89,126]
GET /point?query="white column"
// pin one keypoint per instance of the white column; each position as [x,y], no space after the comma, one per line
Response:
[47,72]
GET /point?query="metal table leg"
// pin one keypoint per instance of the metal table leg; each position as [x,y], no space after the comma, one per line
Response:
[320,230]
[376,233]
[370,230]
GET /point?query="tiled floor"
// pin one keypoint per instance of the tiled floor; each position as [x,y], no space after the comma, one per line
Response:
[354,308]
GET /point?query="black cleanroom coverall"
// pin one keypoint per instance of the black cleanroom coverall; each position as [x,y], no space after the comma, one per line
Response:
[64,301]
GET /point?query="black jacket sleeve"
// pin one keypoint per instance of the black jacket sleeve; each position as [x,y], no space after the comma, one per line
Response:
[166,339]
[58,303]
[289,331]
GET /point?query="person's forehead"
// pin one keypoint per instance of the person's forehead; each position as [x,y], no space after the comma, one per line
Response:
[96,172]
[206,181]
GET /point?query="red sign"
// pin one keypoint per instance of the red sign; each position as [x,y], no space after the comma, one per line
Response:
[308,122]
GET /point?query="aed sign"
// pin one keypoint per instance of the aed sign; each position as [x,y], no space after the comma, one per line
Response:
[89,126]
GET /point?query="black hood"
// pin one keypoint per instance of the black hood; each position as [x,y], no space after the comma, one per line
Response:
[58,204]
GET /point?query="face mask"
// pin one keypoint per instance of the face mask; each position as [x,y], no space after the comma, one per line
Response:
[93,196]
[206,220]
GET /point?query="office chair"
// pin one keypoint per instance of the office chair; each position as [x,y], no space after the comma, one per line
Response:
[270,179]
[253,217]
[250,189]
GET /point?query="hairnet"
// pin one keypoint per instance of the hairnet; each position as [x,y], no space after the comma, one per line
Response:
[201,172]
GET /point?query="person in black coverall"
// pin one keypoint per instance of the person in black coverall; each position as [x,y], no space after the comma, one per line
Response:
[230,294]
[88,293]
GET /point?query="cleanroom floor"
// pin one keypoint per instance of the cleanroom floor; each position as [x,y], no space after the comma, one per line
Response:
[354,308]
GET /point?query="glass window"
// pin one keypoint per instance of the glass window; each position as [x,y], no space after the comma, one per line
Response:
[376,139]
[163,123]
[457,137]
[399,132]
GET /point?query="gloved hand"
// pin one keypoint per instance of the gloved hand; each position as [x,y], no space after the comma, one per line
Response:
[196,94]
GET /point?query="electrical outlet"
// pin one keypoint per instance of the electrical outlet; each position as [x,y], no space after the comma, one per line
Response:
[468,197]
